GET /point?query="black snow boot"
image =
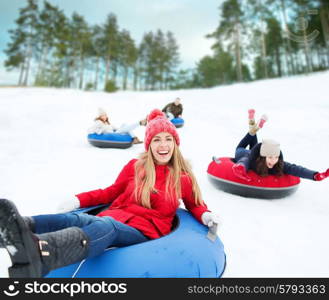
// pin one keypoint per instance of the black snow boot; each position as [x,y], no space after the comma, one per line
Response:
[61,248]
[35,255]
[20,242]
[30,223]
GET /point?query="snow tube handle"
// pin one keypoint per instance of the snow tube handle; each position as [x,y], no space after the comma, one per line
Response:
[212,232]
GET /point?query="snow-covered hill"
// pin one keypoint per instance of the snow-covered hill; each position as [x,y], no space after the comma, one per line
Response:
[45,159]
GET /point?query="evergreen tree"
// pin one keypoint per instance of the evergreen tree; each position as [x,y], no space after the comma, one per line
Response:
[301,26]
[146,61]
[274,42]
[15,52]
[47,28]
[80,44]
[158,59]
[207,71]
[323,6]
[96,51]
[182,80]
[127,55]
[217,69]
[224,59]
[61,68]
[230,29]
[290,62]
[172,59]
[28,20]
[110,42]
[258,11]
[22,47]
[320,45]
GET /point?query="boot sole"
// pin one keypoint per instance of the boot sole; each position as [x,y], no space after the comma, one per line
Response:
[17,238]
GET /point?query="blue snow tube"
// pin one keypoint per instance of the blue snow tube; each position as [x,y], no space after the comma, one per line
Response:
[178,122]
[110,140]
[184,253]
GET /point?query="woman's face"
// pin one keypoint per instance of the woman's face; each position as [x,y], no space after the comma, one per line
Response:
[271,161]
[103,117]
[162,147]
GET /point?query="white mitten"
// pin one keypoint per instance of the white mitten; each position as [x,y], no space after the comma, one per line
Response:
[68,205]
[209,219]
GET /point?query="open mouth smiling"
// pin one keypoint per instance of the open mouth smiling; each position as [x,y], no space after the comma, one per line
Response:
[163,152]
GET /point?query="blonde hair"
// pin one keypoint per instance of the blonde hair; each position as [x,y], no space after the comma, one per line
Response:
[145,178]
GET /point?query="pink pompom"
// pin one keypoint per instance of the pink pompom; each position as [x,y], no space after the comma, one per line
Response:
[155,113]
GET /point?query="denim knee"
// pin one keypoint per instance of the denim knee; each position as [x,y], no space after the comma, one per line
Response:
[100,226]
[240,152]
[81,219]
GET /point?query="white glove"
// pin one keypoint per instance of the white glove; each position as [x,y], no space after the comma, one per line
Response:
[68,205]
[209,219]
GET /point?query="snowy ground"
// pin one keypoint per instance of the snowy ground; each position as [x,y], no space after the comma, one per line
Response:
[45,159]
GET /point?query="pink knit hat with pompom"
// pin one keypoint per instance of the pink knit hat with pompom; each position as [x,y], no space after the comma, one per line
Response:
[156,123]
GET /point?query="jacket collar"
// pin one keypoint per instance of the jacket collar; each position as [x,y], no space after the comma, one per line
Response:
[161,169]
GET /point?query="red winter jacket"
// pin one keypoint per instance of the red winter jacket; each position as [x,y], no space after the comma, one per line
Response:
[154,222]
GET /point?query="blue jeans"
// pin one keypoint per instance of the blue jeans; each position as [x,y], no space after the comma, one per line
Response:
[103,232]
[241,151]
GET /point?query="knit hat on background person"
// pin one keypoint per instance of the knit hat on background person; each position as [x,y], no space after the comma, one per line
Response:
[101,111]
[270,148]
[156,123]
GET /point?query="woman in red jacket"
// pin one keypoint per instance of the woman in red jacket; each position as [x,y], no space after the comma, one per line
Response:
[143,199]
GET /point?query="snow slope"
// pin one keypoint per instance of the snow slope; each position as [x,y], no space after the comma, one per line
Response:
[45,159]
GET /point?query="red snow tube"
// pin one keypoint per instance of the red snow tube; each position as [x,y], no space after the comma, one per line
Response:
[270,187]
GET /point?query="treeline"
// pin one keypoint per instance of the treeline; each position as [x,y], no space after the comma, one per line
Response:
[50,49]
[255,39]
[259,39]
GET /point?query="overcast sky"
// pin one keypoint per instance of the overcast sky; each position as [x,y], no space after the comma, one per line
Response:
[189,20]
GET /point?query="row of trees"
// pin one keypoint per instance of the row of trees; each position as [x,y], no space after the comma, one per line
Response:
[255,39]
[258,39]
[50,49]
